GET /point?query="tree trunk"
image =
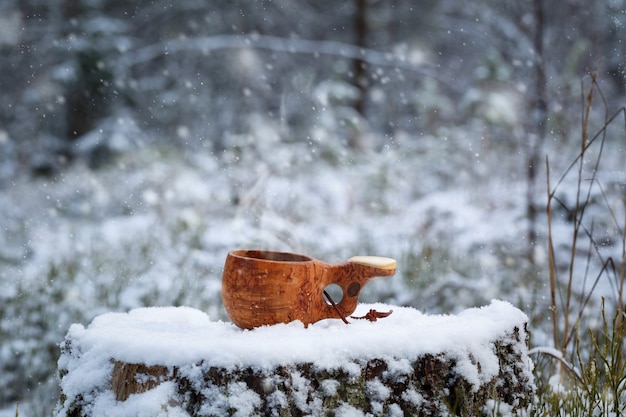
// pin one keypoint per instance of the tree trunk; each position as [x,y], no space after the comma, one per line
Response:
[539,118]
[358,67]
[464,376]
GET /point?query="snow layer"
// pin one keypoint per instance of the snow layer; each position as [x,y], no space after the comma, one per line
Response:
[179,336]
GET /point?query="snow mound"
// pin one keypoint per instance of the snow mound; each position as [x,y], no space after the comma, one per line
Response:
[183,336]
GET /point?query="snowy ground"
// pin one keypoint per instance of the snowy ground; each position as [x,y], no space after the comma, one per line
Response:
[154,228]
[182,337]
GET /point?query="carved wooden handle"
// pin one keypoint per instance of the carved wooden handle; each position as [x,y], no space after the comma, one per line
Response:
[352,276]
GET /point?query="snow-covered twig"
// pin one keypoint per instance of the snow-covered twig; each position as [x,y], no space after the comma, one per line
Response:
[556,354]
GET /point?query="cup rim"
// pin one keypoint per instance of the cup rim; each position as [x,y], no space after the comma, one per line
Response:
[260,255]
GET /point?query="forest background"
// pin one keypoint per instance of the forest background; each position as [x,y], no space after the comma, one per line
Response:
[140,141]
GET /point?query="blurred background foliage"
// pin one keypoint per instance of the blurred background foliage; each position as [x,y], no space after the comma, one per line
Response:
[202,75]
[139,141]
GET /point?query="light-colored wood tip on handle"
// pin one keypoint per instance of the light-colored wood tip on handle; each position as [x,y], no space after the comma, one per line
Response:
[374,261]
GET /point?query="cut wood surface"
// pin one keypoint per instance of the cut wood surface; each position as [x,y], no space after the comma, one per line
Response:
[176,361]
[375,261]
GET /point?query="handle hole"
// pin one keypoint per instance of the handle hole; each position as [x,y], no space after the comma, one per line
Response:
[335,292]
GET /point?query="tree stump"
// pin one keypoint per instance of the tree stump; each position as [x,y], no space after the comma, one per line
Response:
[176,362]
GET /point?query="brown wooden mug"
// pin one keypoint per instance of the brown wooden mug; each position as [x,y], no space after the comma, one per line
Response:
[267,287]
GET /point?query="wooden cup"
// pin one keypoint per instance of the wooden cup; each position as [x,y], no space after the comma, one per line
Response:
[266,287]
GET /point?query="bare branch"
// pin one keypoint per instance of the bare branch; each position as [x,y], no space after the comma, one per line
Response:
[278,44]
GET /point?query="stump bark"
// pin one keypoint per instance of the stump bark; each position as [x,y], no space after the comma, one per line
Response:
[465,376]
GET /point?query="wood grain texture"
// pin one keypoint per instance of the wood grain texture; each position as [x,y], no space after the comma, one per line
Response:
[266,287]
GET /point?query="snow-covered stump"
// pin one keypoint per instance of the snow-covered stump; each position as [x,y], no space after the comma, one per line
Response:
[176,362]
